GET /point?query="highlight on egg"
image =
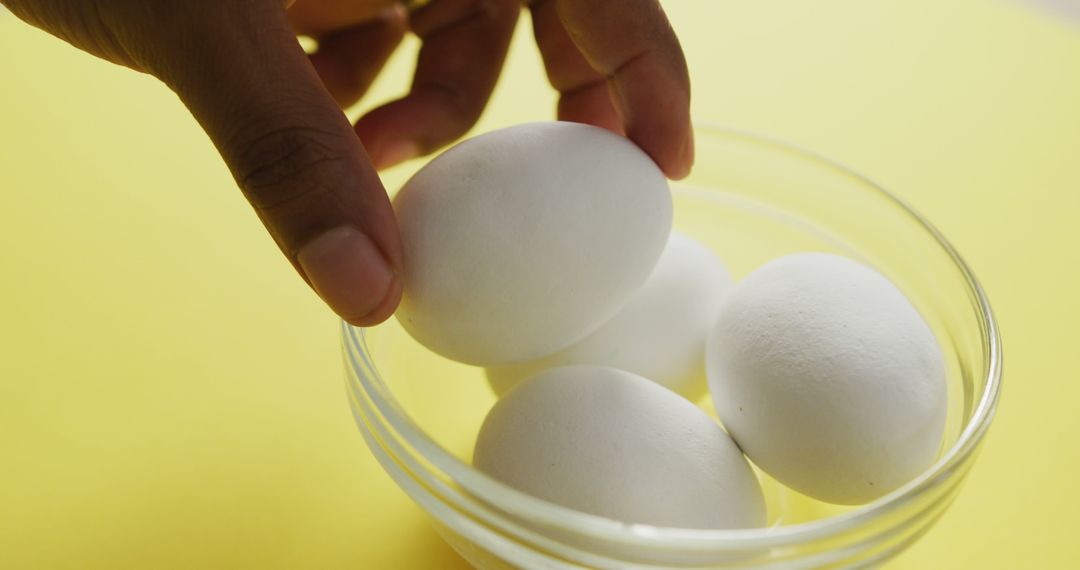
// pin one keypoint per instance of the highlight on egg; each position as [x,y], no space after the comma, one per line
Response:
[611,443]
[519,242]
[828,378]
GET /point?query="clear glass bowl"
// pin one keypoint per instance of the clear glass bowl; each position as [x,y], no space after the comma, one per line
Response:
[750,199]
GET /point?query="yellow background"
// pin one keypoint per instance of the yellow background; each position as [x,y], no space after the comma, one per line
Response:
[171,394]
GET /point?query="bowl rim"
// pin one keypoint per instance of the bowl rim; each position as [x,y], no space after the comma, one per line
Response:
[509,500]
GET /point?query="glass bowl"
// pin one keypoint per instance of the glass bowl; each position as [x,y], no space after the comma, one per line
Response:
[750,199]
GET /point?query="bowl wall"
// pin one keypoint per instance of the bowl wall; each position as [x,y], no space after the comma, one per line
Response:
[750,200]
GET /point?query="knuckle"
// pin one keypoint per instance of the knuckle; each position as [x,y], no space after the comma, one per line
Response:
[282,167]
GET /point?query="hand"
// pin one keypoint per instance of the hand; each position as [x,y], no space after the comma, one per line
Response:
[274,113]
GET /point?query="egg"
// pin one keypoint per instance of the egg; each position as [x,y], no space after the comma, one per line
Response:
[659,334]
[521,241]
[828,378]
[613,444]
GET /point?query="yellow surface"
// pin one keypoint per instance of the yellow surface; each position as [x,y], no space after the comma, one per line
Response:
[171,394]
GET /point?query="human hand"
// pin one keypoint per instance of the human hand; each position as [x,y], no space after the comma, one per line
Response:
[274,113]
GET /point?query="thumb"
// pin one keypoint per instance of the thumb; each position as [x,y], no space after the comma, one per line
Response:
[293,153]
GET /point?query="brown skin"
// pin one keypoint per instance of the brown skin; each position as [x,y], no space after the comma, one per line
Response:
[274,113]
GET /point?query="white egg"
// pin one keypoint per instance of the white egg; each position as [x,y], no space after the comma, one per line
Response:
[521,241]
[659,334]
[611,443]
[828,378]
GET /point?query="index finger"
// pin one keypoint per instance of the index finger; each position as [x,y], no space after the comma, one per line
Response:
[632,45]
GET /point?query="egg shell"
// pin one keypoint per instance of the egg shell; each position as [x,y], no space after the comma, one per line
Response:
[659,334]
[611,443]
[521,241]
[828,378]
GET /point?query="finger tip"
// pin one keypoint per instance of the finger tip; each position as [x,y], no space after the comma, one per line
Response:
[375,133]
[382,311]
[684,163]
[393,152]
[677,171]
[352,275]
[674,165]
[675,160]
[690,147]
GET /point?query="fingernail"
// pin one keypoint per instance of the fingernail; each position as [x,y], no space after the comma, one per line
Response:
[682,170]
[395,152]
[348,271]
[690,147]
